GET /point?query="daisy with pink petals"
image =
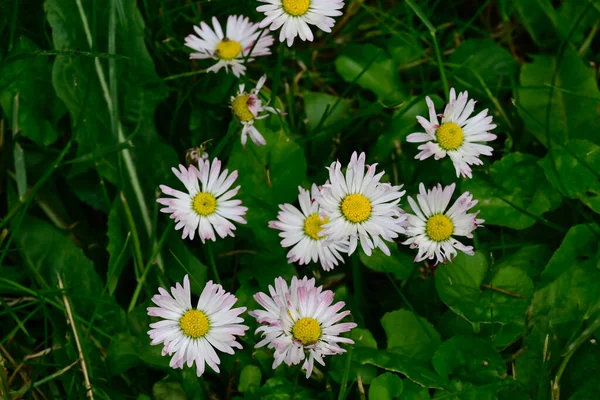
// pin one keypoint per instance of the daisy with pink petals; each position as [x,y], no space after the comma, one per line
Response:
[241,41]
[300,323]
[457,135]
[432,228]
[190,334]
[248,107]
[207,207]
[301,230]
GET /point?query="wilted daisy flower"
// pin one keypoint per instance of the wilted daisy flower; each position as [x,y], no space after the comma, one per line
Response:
[300,323]
[207,203]
[232,48]
[301,228]
[360,207]
[247,107]
[457,135]
[193,334]
[294,16]
[432,228]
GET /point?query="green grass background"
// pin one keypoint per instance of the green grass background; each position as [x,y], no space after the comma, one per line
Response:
[99,100]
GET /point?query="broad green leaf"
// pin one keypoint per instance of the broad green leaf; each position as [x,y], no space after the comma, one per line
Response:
[316,104]
[418,371]
[363,339]
[385,387]
[378,71]
[515,192]
[181,261]
[501,335]
[405,48]
[249,379]
[531,259]
[279,388]
[165,390]
[469,358]
[398,264]
[410,335]
[574,112]
[459,390]
[28,77]
[59,255]
[412,391]
[122,354]
[574,170]
[540,20]
[84,90]
[466,288]
[485,59]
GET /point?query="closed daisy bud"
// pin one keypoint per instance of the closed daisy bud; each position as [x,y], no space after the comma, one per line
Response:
[191,334]
[300,323]
[456,135]
[432,228]
[207,207]
[232,47]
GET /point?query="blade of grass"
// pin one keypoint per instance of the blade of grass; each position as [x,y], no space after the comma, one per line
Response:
[18,154]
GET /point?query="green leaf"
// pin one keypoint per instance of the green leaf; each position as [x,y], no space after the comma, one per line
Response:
[540,20]
[378,71]
[399,264]
[531,259]
[118,250]
[59,255]
[410,335]
[412,391]
[250,378]
[459,390]
[28,77]
[315,105]
[164,390]
[484,58]
[469,358]
[574,103]
[181,261]
[77,82]
[385,387]
[418,371]
[515,193]
[363,339]
[574,169]
[460,286]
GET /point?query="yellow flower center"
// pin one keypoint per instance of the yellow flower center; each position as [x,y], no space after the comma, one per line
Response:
[228,49]
[356,208]
[296,7]
[240,109]
[449,136]
[194,324]
[204,204]
[307,330]
[312,226]
[439,227]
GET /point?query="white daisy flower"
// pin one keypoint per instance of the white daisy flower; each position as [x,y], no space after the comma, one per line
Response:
[432,228]
[247,107]
[360,207]
[232,48]
[207,205]
[193,334]
[294,16]
[457,135]
[301,229]
[300,323]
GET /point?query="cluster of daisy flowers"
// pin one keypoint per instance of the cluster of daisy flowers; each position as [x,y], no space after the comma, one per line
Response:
[242,40]
[299,321]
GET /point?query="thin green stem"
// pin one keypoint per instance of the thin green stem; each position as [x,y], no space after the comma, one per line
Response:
[344,382]
[211,260]
[438,56]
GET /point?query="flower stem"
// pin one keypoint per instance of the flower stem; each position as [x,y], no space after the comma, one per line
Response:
[211,260]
